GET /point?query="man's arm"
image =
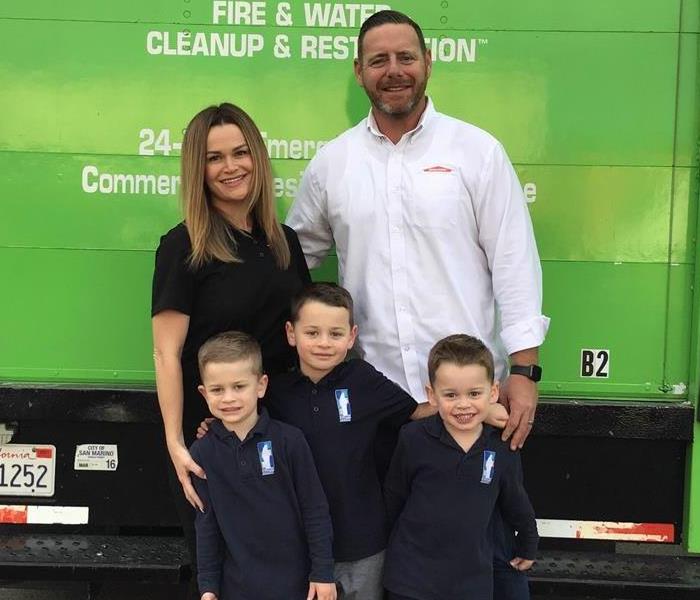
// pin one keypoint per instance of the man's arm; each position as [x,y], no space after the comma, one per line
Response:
[519,395]
[507,239]
[309,218]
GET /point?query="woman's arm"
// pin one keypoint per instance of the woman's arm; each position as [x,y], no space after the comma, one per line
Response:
[169,333]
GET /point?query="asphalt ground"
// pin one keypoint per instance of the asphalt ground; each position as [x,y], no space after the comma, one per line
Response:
[66,591]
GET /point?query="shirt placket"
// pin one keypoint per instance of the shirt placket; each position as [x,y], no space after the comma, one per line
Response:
[396,197]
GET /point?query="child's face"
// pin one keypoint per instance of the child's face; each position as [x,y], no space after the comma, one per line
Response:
[322,336]
[463,395]
[232,390]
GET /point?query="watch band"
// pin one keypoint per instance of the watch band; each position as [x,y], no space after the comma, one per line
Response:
[533,372]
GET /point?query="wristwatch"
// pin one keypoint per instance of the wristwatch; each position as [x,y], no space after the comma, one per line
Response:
[533,372]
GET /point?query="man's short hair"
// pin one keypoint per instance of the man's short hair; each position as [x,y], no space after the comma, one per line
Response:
[461,350]
[230,347]
[384,17]
[325,292]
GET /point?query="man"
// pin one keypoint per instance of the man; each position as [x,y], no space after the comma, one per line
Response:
[430,226]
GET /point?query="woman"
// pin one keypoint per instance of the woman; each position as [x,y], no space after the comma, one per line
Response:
[229,265]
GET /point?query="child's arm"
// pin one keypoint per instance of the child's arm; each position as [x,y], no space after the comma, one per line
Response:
[210,542]
[397,483]
[423,410]
[315,516]
[517,511]
[498,415]
[321,591]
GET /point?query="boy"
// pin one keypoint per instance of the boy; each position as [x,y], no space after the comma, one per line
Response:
[448,474]
[265,531]
[340,404]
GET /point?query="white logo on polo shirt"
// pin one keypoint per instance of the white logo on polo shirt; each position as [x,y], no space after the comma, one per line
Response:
[342,399]
[267,460]
[487,466]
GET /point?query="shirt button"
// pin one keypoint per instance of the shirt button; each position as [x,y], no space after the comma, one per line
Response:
[314,391]
[315,409]
[243,463]
[406,348]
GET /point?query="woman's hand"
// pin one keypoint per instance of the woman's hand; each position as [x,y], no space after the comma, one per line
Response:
[184,465]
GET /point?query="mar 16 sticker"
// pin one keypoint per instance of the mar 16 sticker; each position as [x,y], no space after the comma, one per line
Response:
[267,459]
[342,400]
[96,457]
[489,462]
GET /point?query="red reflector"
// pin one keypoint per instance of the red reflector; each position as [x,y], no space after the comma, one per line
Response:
[13,514]
[43,452]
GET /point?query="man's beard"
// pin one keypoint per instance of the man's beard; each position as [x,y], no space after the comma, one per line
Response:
[401,110]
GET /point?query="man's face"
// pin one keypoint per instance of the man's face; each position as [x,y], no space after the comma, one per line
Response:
[394,71]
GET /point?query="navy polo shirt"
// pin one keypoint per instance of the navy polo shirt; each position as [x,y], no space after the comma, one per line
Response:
[441,500]
[266,531]
[340,416]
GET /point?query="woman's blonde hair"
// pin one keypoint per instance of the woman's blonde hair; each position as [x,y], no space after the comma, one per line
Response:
[209,232]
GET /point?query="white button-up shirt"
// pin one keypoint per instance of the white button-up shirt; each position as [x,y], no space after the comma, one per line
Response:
[433,237]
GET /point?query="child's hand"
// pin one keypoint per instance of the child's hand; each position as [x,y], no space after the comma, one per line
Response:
[498,416]
[321,591]
[209,596]
[521,564]
[204,427]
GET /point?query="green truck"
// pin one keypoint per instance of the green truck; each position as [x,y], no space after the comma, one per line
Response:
[598,105]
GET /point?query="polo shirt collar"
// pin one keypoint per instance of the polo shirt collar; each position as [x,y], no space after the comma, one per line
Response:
[335,374]
[436,428]
[428,114]
[260,427]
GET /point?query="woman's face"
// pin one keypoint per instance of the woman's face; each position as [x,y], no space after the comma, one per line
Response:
[229,166]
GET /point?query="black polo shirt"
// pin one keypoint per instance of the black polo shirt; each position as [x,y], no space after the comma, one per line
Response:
[266,531]
[340,416]
[441,500]
[253,295]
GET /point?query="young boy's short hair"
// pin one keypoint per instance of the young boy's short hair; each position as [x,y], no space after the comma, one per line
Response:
[462,350]
[325,292]
[229,347]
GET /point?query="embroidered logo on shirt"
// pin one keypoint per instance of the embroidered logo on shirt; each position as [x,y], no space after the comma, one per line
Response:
[342,399]
[487,466]
[437,169]
[267,460]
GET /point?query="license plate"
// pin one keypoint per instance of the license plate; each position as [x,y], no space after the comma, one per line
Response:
[27,470]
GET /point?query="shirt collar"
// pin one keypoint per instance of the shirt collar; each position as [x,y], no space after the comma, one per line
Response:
[260,427]
[425,118]
[335,374]
[436,428]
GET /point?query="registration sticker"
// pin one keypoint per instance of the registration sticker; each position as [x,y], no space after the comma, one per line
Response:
[27,469]
[96,457]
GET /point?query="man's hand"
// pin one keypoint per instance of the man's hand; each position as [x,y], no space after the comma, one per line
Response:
[209,596]
[521,564]
[321,591]
[204,427]
[498,416]
[184,465]
[519,396]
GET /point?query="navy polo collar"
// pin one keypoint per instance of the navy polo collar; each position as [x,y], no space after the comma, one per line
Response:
[260,427]
[329,379]
[435,427]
